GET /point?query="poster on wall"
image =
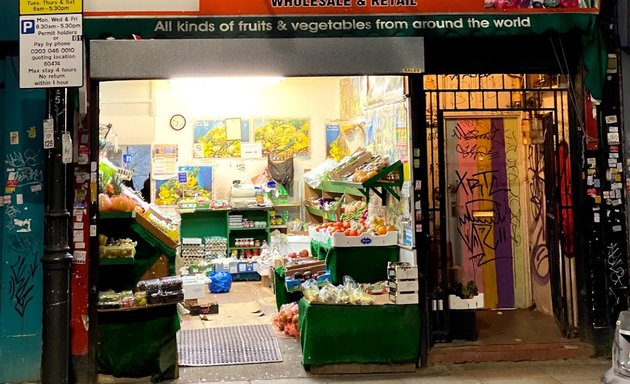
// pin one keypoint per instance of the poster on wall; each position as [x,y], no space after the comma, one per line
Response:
[165,159]
[197,187]
[284,137]
[351,98]
[343,138]
[219,138]
[381,89]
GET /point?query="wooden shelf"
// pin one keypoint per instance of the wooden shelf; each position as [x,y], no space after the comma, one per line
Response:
[244,248]
[155,231]
[129,309]
[278,226]
[321,213]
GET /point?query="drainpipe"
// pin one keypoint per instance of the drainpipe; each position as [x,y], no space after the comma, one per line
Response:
[56,260]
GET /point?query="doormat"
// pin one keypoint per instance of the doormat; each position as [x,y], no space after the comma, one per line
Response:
[248,344]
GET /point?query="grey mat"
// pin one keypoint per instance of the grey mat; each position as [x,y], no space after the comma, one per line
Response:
[248,344]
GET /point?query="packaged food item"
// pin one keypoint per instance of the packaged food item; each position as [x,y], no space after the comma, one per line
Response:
[168,297]
[108,300]
[140,298]
[150,286]
[154,298]
[171,283]
[127,302]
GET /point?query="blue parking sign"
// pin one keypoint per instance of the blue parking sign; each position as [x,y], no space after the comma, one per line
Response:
[27,27]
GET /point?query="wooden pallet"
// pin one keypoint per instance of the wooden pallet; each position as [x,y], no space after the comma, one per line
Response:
[351,369]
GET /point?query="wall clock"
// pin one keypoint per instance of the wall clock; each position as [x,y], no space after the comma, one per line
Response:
[177,122]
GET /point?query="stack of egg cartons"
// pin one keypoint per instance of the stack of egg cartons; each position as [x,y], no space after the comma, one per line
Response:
[192,249]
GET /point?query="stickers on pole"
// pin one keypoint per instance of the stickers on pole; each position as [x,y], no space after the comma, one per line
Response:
[49,134]
[51,51]
[66,148]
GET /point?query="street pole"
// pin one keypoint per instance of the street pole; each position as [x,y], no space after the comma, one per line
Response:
[56,260]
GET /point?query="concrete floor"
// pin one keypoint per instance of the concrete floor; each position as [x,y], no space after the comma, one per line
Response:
[586,371]
[252,303]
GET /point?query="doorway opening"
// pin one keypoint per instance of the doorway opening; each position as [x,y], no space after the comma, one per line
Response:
[500,208]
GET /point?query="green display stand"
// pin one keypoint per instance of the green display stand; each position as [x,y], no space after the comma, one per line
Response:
[282,295]
[139,343]
[377,334]
[363,264]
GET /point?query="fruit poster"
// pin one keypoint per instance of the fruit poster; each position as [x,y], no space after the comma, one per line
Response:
[219,138]
[283,137]
[343,138]
[197,188]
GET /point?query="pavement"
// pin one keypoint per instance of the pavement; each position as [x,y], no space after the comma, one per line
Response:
[580,371]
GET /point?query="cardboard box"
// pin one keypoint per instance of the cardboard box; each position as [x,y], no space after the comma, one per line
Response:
[242,267]
[402,271]
[455,302]
[403,285]
[403,297]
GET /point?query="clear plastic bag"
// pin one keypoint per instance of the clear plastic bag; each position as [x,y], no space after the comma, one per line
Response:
[314,177]
[311,291]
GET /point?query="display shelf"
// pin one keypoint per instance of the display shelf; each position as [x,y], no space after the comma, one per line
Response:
[155,231]
[321,213]
[140,308]
[247,229]
[244,247]
[117,261]
[153,240]
[287,205]
[278,226]
[374,184]
[116,215]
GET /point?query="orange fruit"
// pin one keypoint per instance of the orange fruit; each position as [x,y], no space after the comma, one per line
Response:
[391,228]
[381,230]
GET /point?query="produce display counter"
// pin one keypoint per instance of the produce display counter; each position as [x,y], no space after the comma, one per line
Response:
[139,343]
[362,334]
[364,264]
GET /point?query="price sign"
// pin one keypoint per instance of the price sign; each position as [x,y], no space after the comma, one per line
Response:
[182,177]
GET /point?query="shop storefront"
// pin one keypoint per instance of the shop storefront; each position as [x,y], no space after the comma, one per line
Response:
[502,190]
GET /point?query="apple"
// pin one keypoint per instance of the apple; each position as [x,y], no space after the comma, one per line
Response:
[292,255]
[304,253]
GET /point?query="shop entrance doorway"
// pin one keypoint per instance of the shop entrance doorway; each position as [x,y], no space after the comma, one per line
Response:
[500,208]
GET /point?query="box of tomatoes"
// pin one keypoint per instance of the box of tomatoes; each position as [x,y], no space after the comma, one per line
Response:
[363,239]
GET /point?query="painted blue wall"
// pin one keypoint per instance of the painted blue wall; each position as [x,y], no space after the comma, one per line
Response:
[9,20]
[21,240]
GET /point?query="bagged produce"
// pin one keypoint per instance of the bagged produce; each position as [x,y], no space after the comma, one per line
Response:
[220,282]
[286,320]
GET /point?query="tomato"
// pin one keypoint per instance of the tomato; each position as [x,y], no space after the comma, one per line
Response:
[338,224]
[346,224]
[347,231]
[352,232]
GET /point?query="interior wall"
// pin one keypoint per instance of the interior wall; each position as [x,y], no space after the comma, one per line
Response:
[314,98]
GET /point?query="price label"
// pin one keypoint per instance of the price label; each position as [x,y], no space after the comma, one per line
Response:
[49,134]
